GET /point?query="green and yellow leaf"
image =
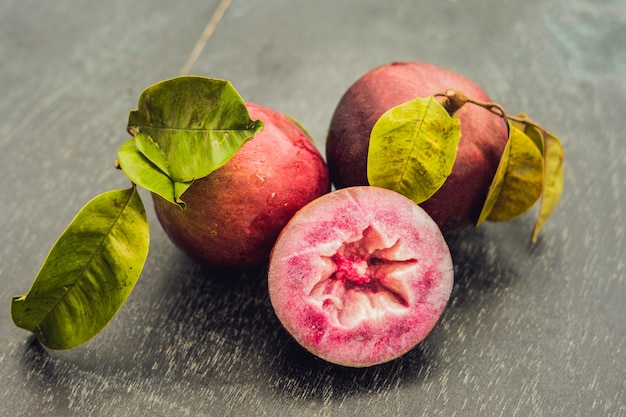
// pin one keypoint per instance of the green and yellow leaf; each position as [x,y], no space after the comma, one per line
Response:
[187,127]
[553,181]
[412,148]
[518,183]
[89,272]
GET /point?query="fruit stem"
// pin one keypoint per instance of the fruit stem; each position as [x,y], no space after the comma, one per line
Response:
[528,121]
[495,108]
[499,110]
[453,100]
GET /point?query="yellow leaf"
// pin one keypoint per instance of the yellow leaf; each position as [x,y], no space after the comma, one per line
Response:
[522,183]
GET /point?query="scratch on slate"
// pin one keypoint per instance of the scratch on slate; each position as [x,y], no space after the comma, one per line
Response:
[206,34]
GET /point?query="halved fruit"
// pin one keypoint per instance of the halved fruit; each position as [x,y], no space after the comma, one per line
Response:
[360,276]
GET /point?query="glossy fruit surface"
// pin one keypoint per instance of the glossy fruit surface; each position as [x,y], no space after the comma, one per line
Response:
[234,215]
[360,276]
[459,201]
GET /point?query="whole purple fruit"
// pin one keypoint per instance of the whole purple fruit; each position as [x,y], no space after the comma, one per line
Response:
[457,204]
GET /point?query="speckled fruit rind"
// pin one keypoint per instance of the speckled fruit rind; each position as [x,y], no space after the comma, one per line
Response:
[360,276]
[458,203]
[235,214]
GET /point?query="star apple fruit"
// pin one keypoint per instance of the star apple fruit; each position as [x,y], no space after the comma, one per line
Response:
[234,214]
[458,203]
[360,276]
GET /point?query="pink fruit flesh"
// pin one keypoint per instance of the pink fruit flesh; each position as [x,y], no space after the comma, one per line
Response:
[235,214]
[360,276]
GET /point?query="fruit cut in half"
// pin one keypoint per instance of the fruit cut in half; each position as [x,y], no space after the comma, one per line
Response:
[360,276]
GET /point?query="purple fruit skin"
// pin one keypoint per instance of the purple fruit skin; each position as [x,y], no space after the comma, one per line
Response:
[235,214]
[457,204]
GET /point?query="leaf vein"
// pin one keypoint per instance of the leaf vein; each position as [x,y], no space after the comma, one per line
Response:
[87,264]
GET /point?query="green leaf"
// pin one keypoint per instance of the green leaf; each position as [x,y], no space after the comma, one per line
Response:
[413,148]
[531,130]
[89,272]
[187,127]
[496,185]
[146,174]
[152,152]
[522,183]
[553,181]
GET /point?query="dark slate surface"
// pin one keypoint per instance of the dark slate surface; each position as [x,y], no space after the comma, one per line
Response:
[530,331]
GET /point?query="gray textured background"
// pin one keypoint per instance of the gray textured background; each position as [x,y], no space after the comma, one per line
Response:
[530,331]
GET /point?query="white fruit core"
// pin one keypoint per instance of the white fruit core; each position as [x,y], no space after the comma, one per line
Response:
[365,280]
